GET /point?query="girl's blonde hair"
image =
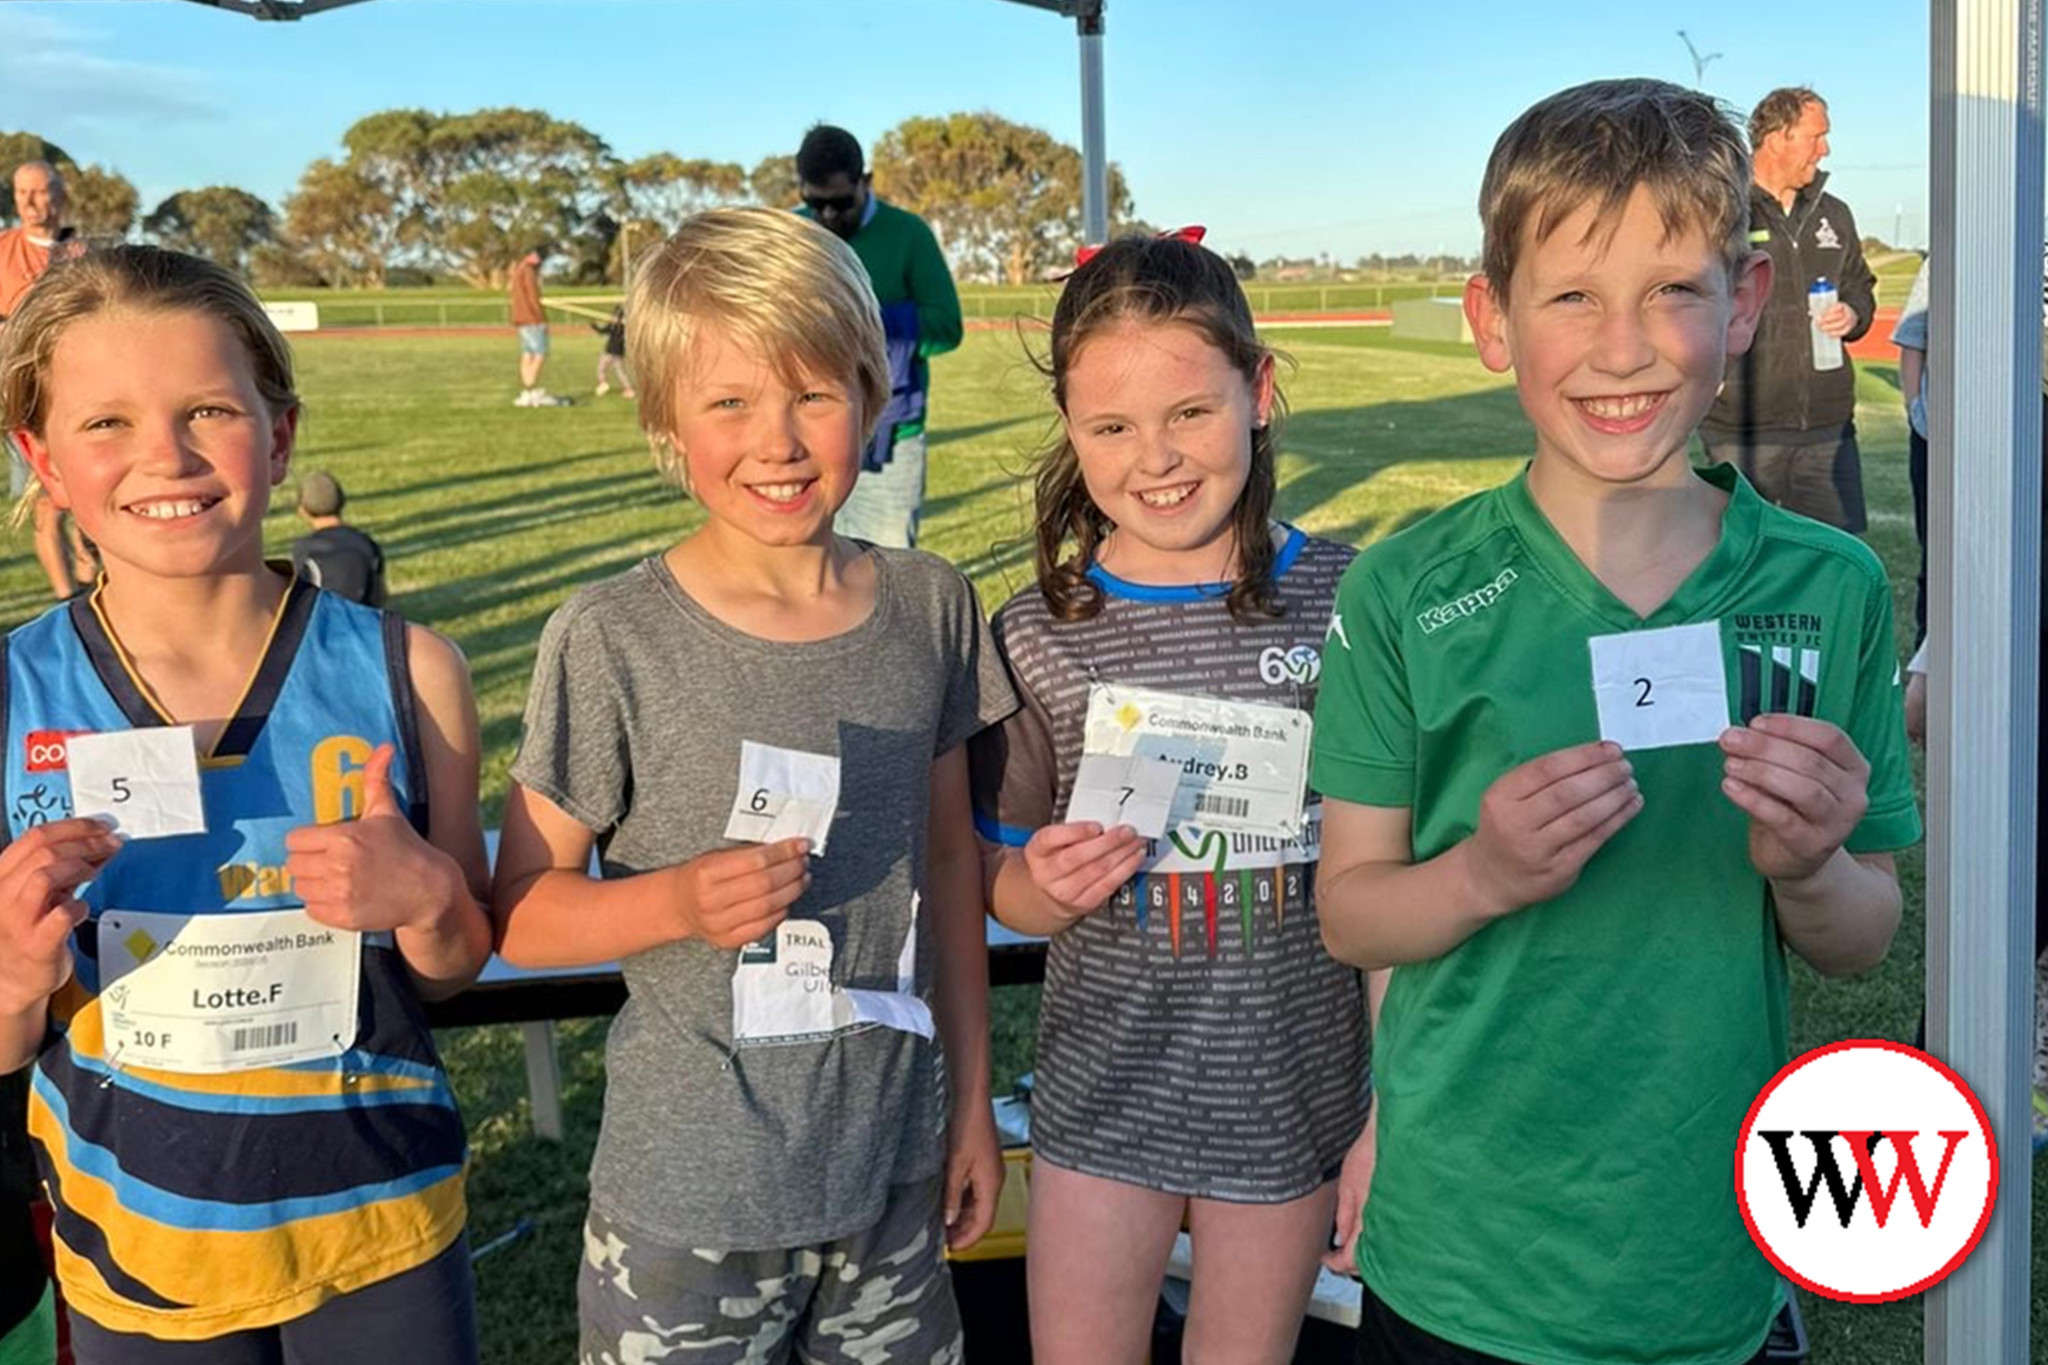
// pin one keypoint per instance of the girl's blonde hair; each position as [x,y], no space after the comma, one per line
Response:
[777,284]
[1152,280]
[141,279]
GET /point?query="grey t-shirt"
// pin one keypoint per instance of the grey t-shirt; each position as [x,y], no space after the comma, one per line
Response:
[639,704]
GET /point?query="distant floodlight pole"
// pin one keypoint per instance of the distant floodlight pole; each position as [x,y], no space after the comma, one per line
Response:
[1087,17]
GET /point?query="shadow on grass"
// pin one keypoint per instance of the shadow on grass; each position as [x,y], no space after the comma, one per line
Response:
[526,1290]
[523,512]
[437,487]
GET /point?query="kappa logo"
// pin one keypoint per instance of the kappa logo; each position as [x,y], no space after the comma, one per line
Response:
[1824,236]
[1867,1120]
[1478,600]
[48,750]
[1301,665]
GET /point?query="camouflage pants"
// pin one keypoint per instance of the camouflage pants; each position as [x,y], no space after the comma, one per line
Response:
[882,1296]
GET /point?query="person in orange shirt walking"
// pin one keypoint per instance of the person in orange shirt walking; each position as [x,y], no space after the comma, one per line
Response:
[25,253]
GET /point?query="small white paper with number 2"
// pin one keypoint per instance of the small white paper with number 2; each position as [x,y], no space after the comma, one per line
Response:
[784,794]
[1660,688]
[147,780]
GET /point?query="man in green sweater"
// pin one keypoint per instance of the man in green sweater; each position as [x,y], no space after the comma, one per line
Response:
[920,315]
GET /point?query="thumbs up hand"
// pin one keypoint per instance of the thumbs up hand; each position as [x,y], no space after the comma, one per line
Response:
[374,872]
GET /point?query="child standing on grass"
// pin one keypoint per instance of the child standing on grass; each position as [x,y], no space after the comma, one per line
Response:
[762,732]
[611,362]
[1200,1057]
[1591,982]
[234,1180]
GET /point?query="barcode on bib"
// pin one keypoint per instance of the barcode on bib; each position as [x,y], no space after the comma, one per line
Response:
[263,1036]
[1236,807]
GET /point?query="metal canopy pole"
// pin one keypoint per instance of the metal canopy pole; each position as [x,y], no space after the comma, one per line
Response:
[1088,25]
[1983,615]
[1094,141]
[277,9]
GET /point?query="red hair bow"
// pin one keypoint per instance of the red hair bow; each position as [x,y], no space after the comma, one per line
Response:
[1192,235]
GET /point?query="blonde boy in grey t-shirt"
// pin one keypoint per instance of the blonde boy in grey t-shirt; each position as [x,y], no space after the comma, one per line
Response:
[761,733]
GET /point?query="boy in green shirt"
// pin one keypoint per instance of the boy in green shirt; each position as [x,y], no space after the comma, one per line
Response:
[1591,984]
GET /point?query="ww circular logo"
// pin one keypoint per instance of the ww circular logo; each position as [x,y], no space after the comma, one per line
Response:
[1866,1171]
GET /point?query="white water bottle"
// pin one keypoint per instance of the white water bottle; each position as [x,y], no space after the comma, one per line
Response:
[1827,350]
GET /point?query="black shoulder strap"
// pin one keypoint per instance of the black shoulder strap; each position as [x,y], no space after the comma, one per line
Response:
[404,705]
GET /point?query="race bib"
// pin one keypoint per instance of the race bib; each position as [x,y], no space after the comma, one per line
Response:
[782,989]
[216,993]
[1243,765]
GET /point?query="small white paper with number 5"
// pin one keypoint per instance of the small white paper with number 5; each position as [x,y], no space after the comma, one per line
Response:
[1660,688]
[1131,790]
[147,780]
[784,794]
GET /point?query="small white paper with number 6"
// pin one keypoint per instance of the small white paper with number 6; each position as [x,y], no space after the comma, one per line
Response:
[784,794]
[1659,688]
[1131,790]
[146,780]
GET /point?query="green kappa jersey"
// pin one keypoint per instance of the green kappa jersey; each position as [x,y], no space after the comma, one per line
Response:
[1560,1095]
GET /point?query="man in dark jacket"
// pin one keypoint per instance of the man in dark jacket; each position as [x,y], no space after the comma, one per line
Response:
[1790,427]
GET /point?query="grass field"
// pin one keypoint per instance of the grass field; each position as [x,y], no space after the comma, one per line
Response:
[491,515]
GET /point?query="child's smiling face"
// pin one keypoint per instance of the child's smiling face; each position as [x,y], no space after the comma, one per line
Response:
[769,458]
[1161,424]
[1618,333]
[158,440]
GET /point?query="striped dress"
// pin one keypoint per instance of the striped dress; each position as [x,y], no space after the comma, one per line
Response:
[1194,1036]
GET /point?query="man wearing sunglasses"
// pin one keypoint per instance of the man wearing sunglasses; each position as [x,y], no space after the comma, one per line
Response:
[920,317]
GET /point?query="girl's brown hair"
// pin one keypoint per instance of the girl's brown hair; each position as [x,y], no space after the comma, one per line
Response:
[1151,280]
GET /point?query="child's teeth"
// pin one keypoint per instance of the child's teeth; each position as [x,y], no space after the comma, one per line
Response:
[779,492]
[1619,407]
[165,511]
[1166,497]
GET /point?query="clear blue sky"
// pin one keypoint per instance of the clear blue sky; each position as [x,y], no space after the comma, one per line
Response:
[1287,126]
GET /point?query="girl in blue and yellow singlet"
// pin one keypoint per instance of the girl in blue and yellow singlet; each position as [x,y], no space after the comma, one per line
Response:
[248,1139]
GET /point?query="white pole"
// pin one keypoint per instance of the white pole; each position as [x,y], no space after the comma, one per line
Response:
[1983,613]
[1094,139]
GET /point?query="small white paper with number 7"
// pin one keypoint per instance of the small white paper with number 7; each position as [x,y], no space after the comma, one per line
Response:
[146,780]
[1131,790]
[1659,688]
[784,794]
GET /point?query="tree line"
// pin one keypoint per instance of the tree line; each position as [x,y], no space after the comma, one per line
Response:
[417,195]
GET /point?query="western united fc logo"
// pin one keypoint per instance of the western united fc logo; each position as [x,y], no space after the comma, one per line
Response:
[1777,664]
